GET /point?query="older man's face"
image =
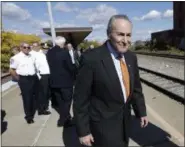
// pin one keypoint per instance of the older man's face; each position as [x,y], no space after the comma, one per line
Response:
[120,35]
[69,47]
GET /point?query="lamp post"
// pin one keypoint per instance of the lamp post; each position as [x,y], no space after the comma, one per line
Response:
[51,23]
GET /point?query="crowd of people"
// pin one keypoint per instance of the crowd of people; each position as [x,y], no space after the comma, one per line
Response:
[103,84]
[41,76]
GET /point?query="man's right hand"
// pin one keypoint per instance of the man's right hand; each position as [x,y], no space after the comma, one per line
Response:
[87,140]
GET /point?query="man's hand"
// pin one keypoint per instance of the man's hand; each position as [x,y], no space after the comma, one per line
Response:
[14,74]
[17,77]
[87,140]
[144,121]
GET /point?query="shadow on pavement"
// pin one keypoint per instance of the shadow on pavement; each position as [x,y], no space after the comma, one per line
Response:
[151,136]
[4,124]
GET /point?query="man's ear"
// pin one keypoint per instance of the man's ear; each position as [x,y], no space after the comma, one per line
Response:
[108,35]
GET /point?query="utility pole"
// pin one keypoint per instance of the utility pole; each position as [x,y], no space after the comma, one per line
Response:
[51,23]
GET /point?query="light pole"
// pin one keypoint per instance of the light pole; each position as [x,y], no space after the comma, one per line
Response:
[53,34]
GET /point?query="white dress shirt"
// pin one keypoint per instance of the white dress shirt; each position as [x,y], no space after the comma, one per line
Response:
[118,68]
[72,56]
[23,64]
[41,62]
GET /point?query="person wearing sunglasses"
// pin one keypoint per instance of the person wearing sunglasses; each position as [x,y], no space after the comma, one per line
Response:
[22,68]
[15,50]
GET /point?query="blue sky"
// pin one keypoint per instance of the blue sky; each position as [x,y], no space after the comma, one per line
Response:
[31,17]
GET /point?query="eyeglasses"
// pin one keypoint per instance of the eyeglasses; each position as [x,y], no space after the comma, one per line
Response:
[26,47]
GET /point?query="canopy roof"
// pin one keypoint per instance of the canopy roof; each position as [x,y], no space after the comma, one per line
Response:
[74,35]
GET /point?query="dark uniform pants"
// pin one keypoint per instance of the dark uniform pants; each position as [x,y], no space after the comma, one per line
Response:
[64,99]
[43,99]
[26,84]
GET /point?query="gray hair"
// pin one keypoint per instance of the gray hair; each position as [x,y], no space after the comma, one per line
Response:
[60,41]
[113,18]
[35,44]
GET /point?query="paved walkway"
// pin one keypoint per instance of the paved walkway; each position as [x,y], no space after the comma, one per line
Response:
[44,132]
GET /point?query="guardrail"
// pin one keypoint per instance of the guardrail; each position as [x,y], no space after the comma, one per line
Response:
[5,75]
[182,57]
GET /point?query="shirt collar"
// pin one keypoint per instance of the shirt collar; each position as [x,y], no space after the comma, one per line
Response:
[23,54]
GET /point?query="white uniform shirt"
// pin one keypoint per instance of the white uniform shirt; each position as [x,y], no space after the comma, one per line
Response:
[72,56]
[41,62]
[118,69]
[23,64]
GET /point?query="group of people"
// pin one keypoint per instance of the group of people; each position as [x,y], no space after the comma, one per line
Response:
[103,85]
[41,76]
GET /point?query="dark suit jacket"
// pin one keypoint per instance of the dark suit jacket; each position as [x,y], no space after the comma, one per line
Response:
[98,100]
[61,68]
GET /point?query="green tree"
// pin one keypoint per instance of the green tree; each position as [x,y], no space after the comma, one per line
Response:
[9,40]
[85,44]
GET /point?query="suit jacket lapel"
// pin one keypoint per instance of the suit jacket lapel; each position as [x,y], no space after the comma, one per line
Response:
[113,79]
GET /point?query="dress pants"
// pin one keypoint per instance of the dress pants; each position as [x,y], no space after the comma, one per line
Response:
[26,84]
[43,98]
[64,99]
[52,97]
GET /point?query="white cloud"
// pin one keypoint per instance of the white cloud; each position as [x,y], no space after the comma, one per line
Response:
[168,14]
[99,36]
[98,26]
[12,30]
[64,7]
[153,14]
[67,25]
[13,11]
[146,32]
[39,24]
[98,15]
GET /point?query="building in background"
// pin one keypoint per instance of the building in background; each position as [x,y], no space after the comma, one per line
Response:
[173,37]
[179,16]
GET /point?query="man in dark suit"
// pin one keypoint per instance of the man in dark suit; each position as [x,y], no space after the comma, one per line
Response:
[107,85]
[61,78]
[74,56]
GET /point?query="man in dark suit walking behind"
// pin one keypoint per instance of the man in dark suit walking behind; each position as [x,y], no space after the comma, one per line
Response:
[61,78]
[107,85]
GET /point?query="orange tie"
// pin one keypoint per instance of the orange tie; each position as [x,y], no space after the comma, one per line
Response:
[125,75]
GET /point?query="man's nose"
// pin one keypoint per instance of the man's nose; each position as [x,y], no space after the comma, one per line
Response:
[125,40]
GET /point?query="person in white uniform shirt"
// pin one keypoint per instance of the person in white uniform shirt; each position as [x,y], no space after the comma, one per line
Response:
[43,72]
[15,50]
[23,70]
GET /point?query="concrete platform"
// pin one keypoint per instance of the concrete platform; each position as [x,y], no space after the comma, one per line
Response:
[163,130]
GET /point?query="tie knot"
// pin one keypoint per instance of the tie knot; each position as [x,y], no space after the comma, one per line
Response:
[119,56]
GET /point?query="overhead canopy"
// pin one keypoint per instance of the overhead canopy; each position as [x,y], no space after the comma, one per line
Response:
[74,35]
